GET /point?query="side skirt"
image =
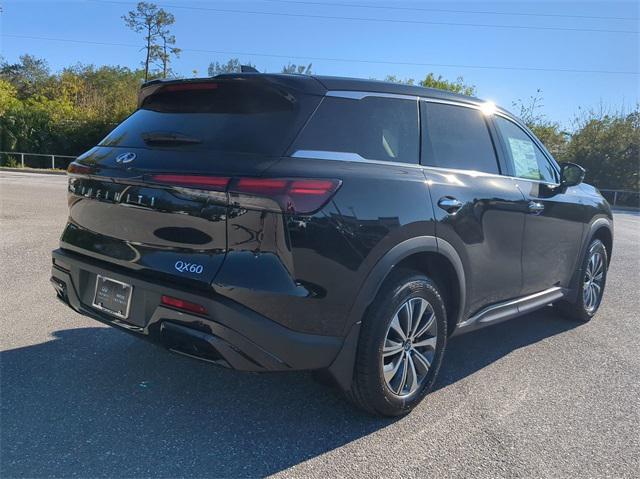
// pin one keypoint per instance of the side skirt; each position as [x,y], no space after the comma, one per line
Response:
[510,309]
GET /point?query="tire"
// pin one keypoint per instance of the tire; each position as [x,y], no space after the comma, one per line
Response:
[585,306]
[383,326]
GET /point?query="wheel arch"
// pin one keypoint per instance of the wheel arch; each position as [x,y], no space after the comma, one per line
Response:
[432,256]
[600,228]
[604,234]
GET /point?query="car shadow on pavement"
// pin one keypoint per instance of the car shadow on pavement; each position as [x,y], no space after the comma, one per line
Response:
[473,351]
[97,402]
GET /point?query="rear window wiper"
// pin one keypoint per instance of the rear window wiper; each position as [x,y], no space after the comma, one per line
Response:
[169,138]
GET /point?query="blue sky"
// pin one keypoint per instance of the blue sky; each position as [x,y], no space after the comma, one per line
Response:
[558,35]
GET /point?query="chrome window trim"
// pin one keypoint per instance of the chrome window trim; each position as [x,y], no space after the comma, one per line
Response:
[540,182]
[346,157]
[484,173]
[464,172]
[473,106]
[359,95]
[356,158]
[329,155]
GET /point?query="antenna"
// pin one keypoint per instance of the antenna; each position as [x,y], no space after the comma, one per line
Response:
[248,69]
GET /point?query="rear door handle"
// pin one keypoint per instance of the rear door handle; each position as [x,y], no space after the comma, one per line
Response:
[449,204]
[535,207]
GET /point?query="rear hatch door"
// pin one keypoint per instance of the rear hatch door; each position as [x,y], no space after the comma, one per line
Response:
[152,195]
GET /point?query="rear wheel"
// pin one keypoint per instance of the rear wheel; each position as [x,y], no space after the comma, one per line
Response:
[401,345]
[592,283]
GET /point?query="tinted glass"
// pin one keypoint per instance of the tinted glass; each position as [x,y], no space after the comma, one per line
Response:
[233,116]
[373,127]
[456,137]
[527,159]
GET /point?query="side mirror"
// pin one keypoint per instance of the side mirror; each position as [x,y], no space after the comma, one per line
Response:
[571,174]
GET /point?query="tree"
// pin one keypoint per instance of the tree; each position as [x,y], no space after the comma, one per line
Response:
[64,113]
[300,69]
[233,65]
[395,79]
[166,49]
[457,86]
[607,145]
[10,106]
[154,23]
[29,76]
[548,132]
[431,81]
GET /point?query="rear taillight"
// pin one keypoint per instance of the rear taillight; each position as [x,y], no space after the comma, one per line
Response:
[215,183]
[195,86]
[289,195]
[78,169]
[183,305]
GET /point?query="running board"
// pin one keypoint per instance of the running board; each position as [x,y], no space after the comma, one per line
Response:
[510,309]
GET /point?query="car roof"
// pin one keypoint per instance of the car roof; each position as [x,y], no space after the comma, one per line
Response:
[377,86]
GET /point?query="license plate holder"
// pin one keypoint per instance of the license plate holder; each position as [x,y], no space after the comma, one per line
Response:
[112,296]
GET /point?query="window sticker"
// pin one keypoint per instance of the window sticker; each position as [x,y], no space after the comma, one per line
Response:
[524,158]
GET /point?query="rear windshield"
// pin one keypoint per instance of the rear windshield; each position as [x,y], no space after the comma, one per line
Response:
[228,115]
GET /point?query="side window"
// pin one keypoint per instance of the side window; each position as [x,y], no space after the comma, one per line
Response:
[456,137]
[526,158]
[375,128]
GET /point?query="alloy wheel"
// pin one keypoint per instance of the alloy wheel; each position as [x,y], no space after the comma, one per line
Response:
[593,282]
[409,346]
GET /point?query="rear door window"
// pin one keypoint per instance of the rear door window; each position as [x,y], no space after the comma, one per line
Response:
[226,115]
[526,158]
[456,137]
[375,128]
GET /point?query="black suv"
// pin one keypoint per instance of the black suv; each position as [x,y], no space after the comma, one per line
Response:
[286,222]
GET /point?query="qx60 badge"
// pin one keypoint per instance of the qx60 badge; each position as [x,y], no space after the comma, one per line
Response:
[185,267]
[124,158]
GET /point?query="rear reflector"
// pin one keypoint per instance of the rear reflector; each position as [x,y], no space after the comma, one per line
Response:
[289,195]
[183,305]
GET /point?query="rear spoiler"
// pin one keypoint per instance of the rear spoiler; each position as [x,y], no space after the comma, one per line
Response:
[149,88]
[301,83]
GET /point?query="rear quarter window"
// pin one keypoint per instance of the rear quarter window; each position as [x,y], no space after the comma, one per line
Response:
[375,128]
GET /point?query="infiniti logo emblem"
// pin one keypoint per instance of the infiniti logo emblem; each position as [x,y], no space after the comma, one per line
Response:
[124,158]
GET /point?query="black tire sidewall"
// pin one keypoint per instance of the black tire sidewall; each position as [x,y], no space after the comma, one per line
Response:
[395,292]
[595,245]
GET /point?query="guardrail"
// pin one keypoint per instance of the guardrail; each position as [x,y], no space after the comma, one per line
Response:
[35,160]
[622,198]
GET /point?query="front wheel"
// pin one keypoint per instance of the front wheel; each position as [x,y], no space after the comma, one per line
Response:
[401,345]
[592,283]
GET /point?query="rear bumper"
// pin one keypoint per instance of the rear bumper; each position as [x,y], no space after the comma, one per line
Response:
[230,334]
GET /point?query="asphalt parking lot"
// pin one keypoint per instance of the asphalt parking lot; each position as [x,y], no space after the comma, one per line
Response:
[538,396]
